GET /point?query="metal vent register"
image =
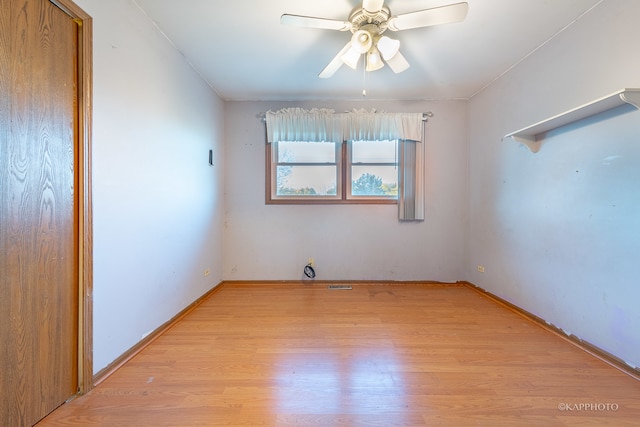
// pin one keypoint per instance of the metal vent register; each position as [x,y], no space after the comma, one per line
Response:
[340,287]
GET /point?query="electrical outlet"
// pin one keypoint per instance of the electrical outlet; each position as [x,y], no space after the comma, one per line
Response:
[206,272]
[481,268]
[310,262]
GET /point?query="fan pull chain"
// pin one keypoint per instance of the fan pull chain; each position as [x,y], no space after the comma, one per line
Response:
[364,75]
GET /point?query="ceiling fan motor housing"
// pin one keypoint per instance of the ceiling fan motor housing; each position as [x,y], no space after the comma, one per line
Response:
[376,23]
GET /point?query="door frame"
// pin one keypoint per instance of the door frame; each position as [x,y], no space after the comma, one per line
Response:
[85,210]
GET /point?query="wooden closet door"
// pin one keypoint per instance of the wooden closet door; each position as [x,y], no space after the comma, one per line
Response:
[38,210]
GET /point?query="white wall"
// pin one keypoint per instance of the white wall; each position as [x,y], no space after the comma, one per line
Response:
[559,231]
[349,242]
[157,203]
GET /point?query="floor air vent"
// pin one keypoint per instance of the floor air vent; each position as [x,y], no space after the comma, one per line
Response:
[340,287]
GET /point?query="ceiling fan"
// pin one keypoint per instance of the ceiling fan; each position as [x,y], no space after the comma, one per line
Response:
[367,23]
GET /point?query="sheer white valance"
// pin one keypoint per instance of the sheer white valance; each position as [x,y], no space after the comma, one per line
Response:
[362,125]
[317,125]
[298,124]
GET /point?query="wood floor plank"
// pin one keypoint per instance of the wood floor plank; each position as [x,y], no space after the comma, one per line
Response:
[376,355]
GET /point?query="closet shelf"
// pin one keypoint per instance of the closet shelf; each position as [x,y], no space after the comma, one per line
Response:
[531,136]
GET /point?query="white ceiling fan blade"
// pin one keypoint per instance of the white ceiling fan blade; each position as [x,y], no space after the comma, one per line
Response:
[372,6]
[311,22]
[335,63]
[429,17]
[398,63]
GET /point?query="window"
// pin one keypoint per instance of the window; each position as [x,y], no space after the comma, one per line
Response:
[329,172]
[306,170]
[373,169]
[383,162]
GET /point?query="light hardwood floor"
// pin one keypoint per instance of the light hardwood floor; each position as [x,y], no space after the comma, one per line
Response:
[377,355]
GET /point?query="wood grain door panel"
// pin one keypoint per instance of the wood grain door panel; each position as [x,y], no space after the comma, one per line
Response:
[38,210]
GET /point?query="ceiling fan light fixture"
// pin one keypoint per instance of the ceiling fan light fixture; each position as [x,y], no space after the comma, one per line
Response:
[388,47]
[362,41]
[374,61]
[351,57]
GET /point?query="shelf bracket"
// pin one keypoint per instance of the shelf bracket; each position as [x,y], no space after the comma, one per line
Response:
[632,98]
[531,142]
